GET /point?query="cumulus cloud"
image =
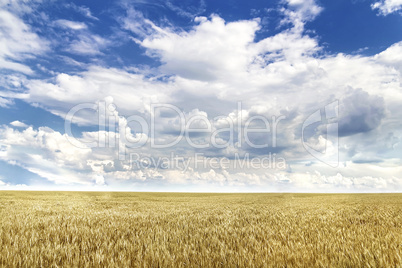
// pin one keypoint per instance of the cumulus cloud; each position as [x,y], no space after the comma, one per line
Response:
[99,179]
[207,52]
[129,91]
[205,70]
[276,68]
[348,184]
[298,12]
[360,113]
[46,153]
[386,7]
[211,45]
[392,56]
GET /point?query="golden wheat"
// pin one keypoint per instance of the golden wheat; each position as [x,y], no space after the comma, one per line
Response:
[90,229]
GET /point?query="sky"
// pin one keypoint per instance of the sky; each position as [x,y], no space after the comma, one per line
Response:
[201,96]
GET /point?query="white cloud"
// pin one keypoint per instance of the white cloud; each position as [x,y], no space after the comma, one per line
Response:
[137,23]
[205,71]
[345,183]
[18,124]
[5,102]
[386,7]
[46,153]
[298,12]
[74,25]
[360,112]
[17,43]
[88,44]
[78,39]
[130,91]
[392,56]
[85,11]
[19,6]
[207,50]
[99,179]
[218,63]
[187,10]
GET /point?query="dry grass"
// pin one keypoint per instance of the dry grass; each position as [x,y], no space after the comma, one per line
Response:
[199,230]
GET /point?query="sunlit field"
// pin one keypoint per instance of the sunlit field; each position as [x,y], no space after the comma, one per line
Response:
[86,229]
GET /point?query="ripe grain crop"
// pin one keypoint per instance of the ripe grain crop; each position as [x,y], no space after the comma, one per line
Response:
[106,229]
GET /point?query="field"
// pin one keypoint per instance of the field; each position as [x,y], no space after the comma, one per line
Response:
[87,229]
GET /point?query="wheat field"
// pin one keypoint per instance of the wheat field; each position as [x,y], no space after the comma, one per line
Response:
[98,229]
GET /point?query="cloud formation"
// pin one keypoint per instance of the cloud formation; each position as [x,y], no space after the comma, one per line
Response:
[217,78]
[18,42]
[386,7]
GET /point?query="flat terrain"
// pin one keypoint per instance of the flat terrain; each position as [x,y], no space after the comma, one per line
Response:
[87,229]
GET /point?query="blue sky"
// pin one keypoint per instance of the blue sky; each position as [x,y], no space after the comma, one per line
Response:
[223,96]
